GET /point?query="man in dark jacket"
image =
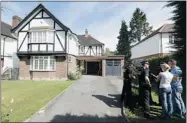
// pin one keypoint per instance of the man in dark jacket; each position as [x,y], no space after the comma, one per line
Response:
[145,86]
[127,87]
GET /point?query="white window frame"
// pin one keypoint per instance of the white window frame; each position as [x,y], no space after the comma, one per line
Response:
[37,58]
[171,39]
[48,37]
[69,59]
[81,49]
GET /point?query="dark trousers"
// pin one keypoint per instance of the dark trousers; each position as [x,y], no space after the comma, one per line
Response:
[146,100]
[126,92]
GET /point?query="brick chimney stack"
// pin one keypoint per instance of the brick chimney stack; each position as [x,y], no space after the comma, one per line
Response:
[15,21]
[86,33]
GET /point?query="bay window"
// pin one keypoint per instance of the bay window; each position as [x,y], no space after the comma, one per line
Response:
[42,63]
[42,36]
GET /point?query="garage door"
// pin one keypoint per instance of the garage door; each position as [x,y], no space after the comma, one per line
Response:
[113,67]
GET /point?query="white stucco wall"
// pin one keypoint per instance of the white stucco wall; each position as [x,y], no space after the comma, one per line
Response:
[72,44]
[49,23]
[148,47]
[94,51]
[10,48]
[166,45]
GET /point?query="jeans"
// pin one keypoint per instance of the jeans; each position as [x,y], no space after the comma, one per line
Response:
[166,100]
[179,107]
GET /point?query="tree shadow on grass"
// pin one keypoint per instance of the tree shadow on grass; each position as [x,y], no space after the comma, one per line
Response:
[87,118]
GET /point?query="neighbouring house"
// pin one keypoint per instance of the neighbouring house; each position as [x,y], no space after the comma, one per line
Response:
[49,50]
[9,59]
[158,43]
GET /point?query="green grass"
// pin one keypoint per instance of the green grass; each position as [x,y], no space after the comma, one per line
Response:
[29,96]
[137,112]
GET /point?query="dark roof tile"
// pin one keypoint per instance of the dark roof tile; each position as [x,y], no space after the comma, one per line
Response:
[6,30]
[88,41]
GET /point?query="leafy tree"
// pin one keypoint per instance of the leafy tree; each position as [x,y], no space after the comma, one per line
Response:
[139,26]
[123,46]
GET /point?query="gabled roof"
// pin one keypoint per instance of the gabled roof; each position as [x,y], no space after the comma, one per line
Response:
[6,30]
[88,41]
[166,28]
[40,6]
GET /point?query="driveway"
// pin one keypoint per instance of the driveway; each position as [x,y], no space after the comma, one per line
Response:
[90,99]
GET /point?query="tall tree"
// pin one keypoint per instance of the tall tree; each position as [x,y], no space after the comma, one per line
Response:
[123,46]
[179,18]
[139,26]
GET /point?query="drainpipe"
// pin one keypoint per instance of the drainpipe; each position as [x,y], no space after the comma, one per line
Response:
[161,45]
[4,50]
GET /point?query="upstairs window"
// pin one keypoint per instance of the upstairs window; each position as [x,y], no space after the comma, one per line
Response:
[41,36]
[81,49]
[171,39]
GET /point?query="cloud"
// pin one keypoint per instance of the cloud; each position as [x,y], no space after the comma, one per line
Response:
[108,30]
[77,10]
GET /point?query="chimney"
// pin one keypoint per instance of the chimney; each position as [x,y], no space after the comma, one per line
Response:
[15,21]
[86,33]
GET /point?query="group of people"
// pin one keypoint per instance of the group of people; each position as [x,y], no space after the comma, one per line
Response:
[170,88]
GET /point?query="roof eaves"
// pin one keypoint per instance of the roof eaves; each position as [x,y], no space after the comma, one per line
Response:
[27,17]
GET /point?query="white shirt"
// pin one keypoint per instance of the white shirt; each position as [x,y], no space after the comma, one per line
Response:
[165,79]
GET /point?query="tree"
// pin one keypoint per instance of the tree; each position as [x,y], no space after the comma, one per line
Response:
[139,26]
[108,52]
[123,46]
[179,18]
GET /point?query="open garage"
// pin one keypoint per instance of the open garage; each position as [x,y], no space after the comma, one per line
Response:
[101,65]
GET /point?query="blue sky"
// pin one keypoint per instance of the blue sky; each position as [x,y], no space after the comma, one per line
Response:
[102,19]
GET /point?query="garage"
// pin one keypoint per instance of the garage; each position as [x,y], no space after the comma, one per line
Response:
[93,68]
[113,67]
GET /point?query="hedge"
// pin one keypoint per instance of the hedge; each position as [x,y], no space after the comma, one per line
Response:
[154,64]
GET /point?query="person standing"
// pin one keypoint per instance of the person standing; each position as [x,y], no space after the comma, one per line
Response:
[145,86]
[127,87]
[165,78]
[177,89]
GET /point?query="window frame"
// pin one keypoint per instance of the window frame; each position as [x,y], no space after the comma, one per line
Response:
[171,39]
[81,49]
[47,34]
[33,60]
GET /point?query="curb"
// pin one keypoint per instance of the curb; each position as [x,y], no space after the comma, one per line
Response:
[49,103]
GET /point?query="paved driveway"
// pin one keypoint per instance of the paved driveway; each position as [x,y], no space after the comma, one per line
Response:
[91,99]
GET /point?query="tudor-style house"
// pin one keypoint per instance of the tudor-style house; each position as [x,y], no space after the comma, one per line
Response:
[48,49]
[158,43]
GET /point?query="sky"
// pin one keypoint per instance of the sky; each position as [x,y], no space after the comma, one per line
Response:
[101,19]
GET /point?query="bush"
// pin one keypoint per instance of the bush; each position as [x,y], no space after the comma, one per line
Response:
[154,63]
[75,75]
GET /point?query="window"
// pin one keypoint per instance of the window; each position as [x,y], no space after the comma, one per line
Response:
[69,59]
[171,39]
[42,63]
[81,49]
[41,37]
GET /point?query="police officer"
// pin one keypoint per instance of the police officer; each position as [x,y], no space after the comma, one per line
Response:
[127,89]
[145,86]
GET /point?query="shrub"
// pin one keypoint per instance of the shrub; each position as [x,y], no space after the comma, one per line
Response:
[75,75]
[155,63]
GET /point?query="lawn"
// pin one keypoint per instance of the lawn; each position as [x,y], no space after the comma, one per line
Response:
[28,96]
